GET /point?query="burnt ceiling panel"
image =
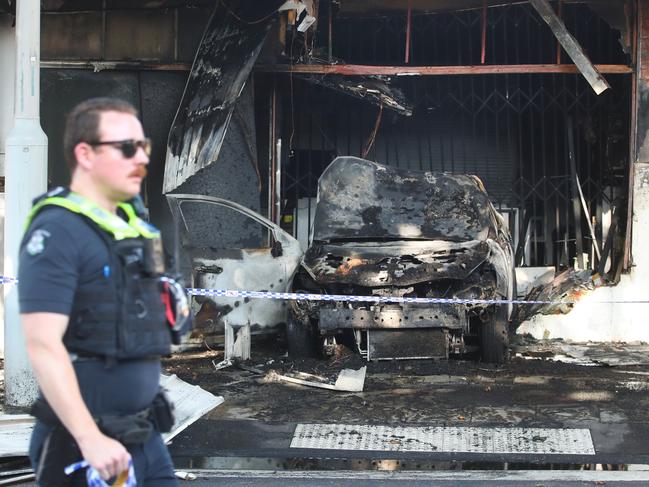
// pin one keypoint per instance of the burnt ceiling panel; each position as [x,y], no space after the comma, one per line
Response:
[228,50]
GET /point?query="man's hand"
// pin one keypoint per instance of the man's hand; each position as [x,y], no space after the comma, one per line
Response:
[107,456]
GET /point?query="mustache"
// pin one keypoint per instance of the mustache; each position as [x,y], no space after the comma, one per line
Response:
[139,172]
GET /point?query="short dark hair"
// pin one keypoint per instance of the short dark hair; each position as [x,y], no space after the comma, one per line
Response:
[82,123]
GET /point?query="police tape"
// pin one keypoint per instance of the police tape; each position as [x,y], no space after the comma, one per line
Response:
[230,293]
[124,479]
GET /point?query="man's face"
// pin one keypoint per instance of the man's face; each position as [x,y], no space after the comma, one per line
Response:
[118,176]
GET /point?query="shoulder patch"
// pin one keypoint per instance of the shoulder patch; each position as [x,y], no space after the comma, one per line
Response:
[36,243]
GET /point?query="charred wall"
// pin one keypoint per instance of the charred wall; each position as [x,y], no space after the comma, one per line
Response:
[141,52]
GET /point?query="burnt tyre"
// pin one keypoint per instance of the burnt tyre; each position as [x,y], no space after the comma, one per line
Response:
[300,337]
[494,337]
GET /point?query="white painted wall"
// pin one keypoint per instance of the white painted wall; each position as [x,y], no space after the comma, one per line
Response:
[608,313]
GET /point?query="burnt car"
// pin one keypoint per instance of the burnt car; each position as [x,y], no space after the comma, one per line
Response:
[381,231]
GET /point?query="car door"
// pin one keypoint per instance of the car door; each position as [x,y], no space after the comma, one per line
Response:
[226,246]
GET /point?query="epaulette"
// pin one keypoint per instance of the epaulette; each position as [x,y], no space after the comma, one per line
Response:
[58,191]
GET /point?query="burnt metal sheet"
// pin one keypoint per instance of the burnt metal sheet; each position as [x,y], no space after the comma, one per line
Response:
[363,200]
[373,89]
[221,68]
[408,315]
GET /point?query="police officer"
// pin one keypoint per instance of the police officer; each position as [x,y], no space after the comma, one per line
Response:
[92,309]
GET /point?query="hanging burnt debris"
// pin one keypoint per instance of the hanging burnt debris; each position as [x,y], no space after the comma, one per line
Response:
[373,89]
[223,63]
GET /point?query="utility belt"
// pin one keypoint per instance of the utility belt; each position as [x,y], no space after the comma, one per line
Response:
[132,429]
[60,450]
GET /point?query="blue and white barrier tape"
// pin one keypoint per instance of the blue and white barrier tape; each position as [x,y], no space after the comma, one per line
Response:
[230,293]
[94,479]
[227,293]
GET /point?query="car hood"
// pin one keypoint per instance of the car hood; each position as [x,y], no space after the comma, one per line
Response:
[395,263]
[360,200]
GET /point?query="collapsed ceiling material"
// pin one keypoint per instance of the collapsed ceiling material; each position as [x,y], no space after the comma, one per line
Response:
[373,89]
[228,50]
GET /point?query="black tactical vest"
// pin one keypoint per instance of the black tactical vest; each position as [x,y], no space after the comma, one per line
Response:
[120,315]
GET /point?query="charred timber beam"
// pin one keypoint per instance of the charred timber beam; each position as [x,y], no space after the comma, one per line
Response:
[572,47]
[365,70]
[116,65]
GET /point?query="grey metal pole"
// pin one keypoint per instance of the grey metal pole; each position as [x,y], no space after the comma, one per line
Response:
[25,178]
[7,75]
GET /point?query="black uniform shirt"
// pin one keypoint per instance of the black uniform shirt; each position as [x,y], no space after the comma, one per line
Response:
[60,253]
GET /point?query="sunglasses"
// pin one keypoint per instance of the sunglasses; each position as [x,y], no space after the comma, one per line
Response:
[128,147]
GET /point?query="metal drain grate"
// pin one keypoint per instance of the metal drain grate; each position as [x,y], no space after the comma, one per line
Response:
[555,441]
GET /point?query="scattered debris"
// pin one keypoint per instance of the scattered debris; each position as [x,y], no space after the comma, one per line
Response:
[223,364]
[563,291]
[248,368]
[528,278]
[591,353]
[190,402]
[15,430]
[348,380]
[185,475]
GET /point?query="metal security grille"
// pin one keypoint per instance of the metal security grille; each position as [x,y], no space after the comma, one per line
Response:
[515,34]
[509,129]
[551,441]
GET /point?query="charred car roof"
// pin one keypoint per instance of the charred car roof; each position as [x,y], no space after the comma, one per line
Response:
[360,200]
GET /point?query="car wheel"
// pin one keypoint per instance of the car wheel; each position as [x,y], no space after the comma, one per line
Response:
[299,338]
[494,337]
